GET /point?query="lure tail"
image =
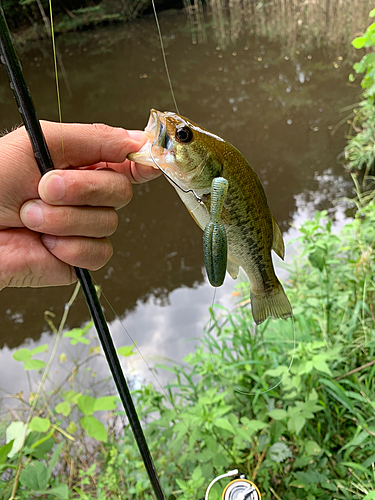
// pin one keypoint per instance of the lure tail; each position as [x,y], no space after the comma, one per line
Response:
[274,303]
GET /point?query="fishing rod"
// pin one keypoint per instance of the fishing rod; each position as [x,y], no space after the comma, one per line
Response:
[43,158]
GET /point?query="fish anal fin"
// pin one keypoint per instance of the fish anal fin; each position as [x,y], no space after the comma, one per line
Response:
[232,269]
[278,242]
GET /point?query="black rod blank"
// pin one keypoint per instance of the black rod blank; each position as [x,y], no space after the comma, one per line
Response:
[27,110]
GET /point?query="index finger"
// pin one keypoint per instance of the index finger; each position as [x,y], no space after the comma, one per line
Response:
[135,172]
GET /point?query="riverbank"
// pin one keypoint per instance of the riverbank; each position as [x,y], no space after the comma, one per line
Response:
[322,24]
[31,21]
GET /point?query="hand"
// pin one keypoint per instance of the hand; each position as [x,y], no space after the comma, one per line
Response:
[49,224]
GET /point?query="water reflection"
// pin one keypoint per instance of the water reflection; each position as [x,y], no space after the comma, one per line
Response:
[278,109]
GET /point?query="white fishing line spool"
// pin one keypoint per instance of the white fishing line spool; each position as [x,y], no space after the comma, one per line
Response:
[238,489]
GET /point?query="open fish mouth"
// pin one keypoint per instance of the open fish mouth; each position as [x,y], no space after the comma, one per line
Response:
[151,148]
[156,128]
[159,151]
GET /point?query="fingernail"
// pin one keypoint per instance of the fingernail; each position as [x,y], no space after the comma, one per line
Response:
[33,214]
[49,241]
[54,187]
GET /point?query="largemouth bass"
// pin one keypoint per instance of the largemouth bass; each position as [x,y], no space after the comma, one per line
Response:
[191,157]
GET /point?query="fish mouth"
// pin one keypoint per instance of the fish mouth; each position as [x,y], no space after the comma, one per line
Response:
[153,153]
[162,150]
[159,151]
[156,129]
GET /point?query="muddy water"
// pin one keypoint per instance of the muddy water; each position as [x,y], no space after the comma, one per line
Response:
[276,104]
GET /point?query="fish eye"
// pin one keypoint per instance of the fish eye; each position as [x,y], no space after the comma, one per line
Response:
[184,135]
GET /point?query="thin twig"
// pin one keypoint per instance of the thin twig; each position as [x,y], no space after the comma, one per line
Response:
[364,428]
[274,492]
[370,363]
[260,460]
[71,473]
[358,369]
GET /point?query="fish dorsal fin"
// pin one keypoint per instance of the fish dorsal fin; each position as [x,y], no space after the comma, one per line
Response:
[278,243]
[232,269]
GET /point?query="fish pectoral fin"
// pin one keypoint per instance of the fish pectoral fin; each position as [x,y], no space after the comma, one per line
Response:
[278,242]
[233,269]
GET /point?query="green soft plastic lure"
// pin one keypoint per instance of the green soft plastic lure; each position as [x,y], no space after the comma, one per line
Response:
[215,248]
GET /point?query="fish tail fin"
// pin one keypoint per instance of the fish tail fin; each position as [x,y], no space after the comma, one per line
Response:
[274,303]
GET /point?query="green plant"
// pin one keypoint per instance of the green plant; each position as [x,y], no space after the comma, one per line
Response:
[59,425]
[360,151]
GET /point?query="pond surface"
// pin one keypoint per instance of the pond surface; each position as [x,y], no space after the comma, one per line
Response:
[277,103]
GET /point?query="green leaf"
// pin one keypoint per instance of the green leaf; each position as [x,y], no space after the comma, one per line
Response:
[277,414]
[39,424]
[86,404]
[197,474]
[54,459]
[4,450]
[72,427]
[255,425]
[317,258]
[246,435]
[43,446]
[77,335]
[16,431]
[61,491]
[358,42]
[34,364]
[105,403]
[369,496]
[63,408]
[34,476]
[338,392]
[356,466]
[296,422]
[320,365]
[22,354]
[279,452]
[94,428]
[126,350]
[312,448]
[72,396]
[222,423]
[41,348]
[211,443]
[276,372]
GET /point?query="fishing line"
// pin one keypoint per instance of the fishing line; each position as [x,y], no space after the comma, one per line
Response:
[200,201]
[56,76]
[287,372]
[164,56]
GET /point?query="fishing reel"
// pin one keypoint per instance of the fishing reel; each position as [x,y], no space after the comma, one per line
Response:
[238,489]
